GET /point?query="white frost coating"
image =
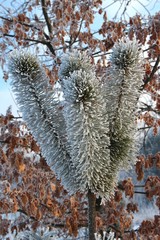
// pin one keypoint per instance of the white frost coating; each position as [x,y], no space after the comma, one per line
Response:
[122,92]
[87,132]
[30,235]
[93,137]
[73,61]
[41,111]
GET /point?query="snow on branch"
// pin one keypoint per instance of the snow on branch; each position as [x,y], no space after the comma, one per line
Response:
[87,124]
[88,141]
[122,93]
[74,61]
[41,110]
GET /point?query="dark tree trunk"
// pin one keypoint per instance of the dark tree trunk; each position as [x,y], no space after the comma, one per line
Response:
[91,215]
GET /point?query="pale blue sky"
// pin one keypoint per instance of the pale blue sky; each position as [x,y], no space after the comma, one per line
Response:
[135,6]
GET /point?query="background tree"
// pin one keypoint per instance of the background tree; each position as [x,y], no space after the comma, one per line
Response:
[69,25]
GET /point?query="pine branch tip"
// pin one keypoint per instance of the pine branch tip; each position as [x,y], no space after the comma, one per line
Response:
[23,64]
[126,53]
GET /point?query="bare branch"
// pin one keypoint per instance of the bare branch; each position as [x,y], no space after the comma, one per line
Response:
[25,213]
[140,2]
[27,39]
[138,192]
[49,26]
[153,72]
[22,23]
[143,128]
[80,26]
[47,42]
[125,9]
[97,54]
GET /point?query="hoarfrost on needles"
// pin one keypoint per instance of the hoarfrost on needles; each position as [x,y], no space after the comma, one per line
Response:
[91,137]
[122,92]
[41,111]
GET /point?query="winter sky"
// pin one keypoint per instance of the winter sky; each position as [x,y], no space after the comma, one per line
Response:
[135,6]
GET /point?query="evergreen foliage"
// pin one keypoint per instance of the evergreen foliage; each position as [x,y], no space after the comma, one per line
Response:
[41,111]
[122,91]
[88,141]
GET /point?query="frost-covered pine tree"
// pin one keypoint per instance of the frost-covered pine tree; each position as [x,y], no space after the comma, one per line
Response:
[88,140]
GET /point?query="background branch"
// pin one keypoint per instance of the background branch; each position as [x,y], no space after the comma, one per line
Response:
[47,19]
[149,78]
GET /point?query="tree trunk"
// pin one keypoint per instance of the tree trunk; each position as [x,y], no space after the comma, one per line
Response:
[91,215]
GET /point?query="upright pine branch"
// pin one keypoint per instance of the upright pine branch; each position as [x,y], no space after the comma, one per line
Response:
[86,124]
[122,91]
[87,129]
[92,138]
[42,112]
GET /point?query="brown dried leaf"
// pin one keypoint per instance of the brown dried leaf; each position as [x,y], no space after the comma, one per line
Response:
[132,207]
[139,169]
[33,208]
[128,187]
[118,196]
[24,199]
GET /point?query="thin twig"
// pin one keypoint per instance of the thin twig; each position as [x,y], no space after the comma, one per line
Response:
[27,39]
[47,42]
[153,72]
[80,26]
[47,19]
[138,192]
[144,128]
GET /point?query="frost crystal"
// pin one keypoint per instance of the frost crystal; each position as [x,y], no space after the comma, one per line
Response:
[126,54]
[41,111]
[87,131]
[74,61]
[93,137]
[122,92]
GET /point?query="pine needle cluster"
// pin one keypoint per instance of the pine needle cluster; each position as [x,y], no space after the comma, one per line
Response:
[42,112]
[88,140]
[122,92]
